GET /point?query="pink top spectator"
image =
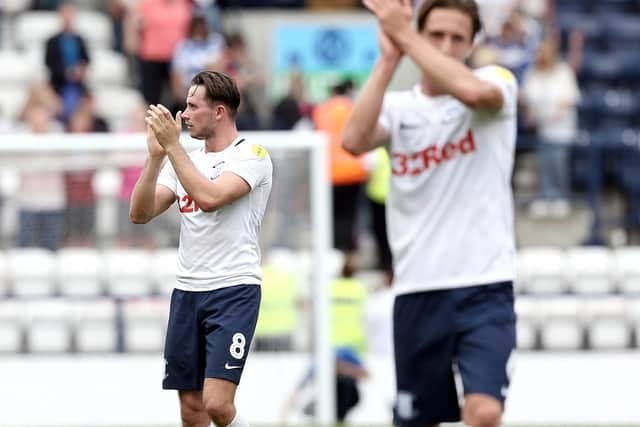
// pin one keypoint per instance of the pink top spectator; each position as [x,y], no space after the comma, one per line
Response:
[164,24]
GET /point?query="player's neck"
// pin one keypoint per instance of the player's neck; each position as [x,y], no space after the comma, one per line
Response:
[430,89]
[221,138]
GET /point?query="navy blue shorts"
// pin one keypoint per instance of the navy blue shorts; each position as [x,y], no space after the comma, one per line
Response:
[209,335]
[468,330]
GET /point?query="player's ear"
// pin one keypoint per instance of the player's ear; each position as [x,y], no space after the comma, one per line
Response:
[219,112]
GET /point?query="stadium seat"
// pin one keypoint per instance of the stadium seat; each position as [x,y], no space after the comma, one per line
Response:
[12,100]
[542,270]
[601,66]
[561,328]
[608,107]
[15,69]
[570,6]
[94,325]
[145,323]
[3,275]
[589,24]
[528,322]
[79,272]
[11,325]
[606,322]
[618,6]
[116,105]
[164,264]
[621,28]
[12,7]
[107,68]
[33,28]
[31,272]
[128,272]
[96,28]
[48,326]
[590,270]
[34,55]
[627,270]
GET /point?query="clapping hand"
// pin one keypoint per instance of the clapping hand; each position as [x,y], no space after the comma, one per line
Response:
[165,128]
[394,15]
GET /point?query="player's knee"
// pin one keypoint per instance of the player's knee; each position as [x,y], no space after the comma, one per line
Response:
[484,416]
[192,413]
[220,411]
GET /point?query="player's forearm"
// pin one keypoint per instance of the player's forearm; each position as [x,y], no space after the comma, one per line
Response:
[357,136]
[142,208]
[448,74]
[197,186]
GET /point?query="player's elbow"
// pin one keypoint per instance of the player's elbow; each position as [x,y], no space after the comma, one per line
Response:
[207,204]
[351,144]
[482,98]
[139,219]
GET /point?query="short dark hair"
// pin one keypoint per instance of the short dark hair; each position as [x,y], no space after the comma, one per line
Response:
[220,87]
[469,7]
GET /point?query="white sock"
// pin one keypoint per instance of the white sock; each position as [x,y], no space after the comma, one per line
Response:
[238,421]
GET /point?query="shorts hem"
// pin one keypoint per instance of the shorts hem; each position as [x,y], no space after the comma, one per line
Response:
[181,387]
[236,381]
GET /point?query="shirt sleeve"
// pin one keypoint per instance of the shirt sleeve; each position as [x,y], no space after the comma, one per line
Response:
[168,177]
[252,163]
[507,84]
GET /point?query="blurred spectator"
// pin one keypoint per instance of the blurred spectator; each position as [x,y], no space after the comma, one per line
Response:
[291,108]
[516,44]
[348,296]
[153,29]
[117,10]
[278,309]
[81,199]
[132,235]
[41,197]
[200,50]
[238,63]
[41,94]
[87,104]
[494,14]
[80,212]
[551,94]
[211,12]
[67,59]
[348,173]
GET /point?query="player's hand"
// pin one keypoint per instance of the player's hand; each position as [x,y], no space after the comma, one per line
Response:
[165,127]
[154,148]
[389,50]
[394,15]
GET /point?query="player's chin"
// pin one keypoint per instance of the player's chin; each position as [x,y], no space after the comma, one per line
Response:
[193,133]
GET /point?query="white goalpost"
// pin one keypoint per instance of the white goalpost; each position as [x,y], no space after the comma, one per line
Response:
[107,153]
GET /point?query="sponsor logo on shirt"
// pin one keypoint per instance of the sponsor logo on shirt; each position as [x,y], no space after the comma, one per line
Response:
[259,150]
[421,161]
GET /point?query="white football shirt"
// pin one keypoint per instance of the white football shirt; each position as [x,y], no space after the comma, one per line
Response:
[220,248]
[450,207]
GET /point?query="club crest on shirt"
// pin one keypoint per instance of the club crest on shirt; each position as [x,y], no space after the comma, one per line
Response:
[259,151]
[216,170]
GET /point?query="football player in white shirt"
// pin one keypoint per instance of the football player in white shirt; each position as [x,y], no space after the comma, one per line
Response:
[222,191]
[449,211]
